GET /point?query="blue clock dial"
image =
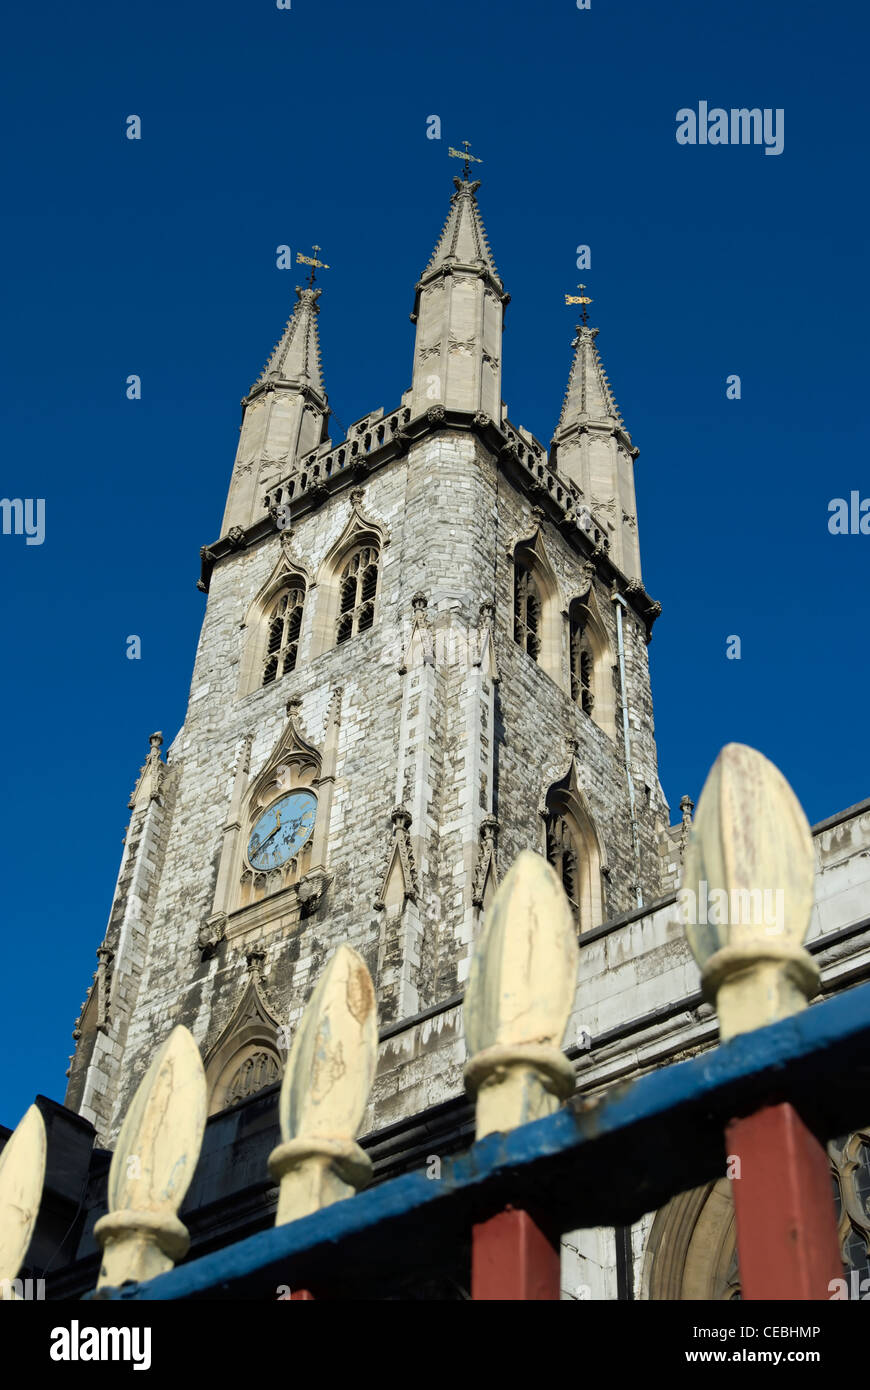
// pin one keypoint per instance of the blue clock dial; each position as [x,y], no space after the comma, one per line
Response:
[282,830]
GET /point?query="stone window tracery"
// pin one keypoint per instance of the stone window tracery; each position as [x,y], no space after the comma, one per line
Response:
[256,1072]
[283,626]
[527,610]
[563,854]
[357,591]
[591,664]
[582,662]
[572,847]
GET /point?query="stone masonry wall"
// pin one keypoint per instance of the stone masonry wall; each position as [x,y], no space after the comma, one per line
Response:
[411,732]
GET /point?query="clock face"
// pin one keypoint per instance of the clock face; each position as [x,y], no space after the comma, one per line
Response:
[282,830]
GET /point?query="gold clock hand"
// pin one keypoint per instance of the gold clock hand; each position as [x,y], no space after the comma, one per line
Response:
[267,839]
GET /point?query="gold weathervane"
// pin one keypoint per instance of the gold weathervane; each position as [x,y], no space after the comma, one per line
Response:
[312,261]
[579,299]
[464,154]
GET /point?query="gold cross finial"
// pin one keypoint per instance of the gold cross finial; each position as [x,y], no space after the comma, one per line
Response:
[312,261]
[464,154]
[579,299]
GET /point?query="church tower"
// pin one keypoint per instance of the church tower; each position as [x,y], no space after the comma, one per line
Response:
[424,649]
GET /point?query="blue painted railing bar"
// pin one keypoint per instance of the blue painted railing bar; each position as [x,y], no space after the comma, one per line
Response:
[589,1164]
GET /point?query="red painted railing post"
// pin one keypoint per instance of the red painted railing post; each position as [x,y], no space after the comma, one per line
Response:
[787,1246]
[512,1260]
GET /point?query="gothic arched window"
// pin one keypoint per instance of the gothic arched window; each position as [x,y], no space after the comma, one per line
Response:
[591,663]
[283,623]
[358,586]
[582,660]
[564,855]
[572,847]
[527,610]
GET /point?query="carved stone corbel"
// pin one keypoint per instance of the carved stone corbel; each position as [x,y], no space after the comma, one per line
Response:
[212,932]
[311,889]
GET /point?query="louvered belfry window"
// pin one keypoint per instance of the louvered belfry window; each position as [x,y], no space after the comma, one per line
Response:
[357,589]
[582,663]
[282,635]
[527,611]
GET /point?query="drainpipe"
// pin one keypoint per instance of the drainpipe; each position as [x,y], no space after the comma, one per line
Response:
[620,604]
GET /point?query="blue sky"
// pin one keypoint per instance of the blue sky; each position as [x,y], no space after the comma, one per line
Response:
[263,126]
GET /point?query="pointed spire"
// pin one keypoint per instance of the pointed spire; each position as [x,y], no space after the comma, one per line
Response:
[588,395]
[592,448]
[459,312]
[286,412]
[295,357]
[463,238]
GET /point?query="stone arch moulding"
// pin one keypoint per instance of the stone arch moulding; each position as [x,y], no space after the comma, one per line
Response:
[253,1029]
[563,797]
[691,1250]
[527,550]
[360,529]
[289,571]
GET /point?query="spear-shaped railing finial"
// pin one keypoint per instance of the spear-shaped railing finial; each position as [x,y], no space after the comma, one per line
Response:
[325,1091]
[519,999]
[22,1173]
[747,893]
[152,1166]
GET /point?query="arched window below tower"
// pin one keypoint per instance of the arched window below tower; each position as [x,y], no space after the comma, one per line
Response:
[691,1252]
[258,1070]
[572,847]
[283,625]
[563,853]
[358,588]
[252,1068]
[527,610]
[582,663]
[538,616]
[591,664]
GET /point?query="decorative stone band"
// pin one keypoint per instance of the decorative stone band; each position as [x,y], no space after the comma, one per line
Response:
[756,984]
[514,1084]
[139,1244]
[315,1172]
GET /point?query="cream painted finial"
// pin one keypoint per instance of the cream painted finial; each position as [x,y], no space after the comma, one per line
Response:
[747,893]
[519,998]
[22,1173]
[152,1166]
[325,1091]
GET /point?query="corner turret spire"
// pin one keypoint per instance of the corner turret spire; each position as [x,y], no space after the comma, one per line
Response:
[459,310]
[295,358]
[286,412]
[463,238]
[592,447]
[588,395]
